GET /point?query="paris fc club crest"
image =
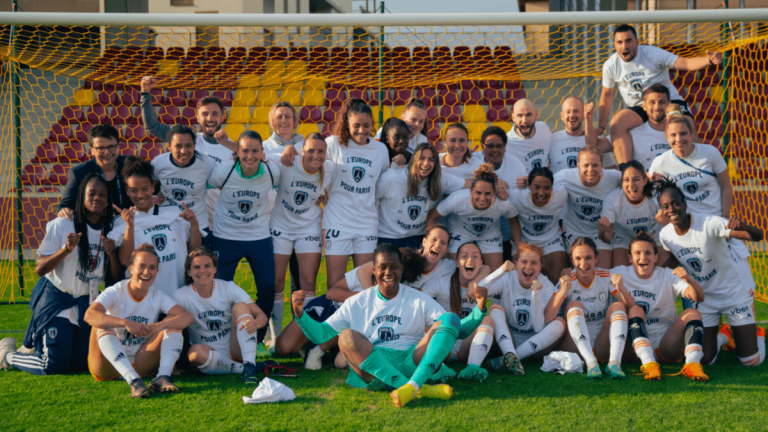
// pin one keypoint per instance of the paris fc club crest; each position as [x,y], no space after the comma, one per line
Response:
[536,163]
[179,194]
[539,227]
[386,334]
[478,227]
[691,187]
[414,211]
[646,307]
[358,173]
[300,197]
[695,264]
[573,161]
[637,85]
[214,325]
[587,210]
[245,206]
[639,229]
[603,296]
[522,317]
[160,241]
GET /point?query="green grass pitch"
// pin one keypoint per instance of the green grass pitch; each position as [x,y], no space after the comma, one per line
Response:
[735,398]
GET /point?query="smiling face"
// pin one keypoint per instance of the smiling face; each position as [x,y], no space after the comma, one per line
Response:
[655,105]
[202,270]
[494,149]
[398,139]
[387,270]
[590,168]
[456,143]
[182,148]
[633,182]
[105,151]
[360,125]
[283,122]
[584,261]
[673,206]
[469,260]
[528,267]
[140,190]
[314,154]
[424,163]
[482,195]
[210,117]
[643,258]
[524,116]
[143,270]
[625,44]
[572,115]
[541,190]
[250,152]
[95,197]
[680,139]
[435,245]
[414,117]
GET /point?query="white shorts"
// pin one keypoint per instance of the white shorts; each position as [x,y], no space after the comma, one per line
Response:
[303,242]
[490,245]
[601,245]
[593,329]
[520,338]
[738,313]
[455,350]
[555,245]
[347,243]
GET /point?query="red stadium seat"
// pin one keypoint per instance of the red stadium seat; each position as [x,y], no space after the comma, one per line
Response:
[57,175]
[496,113]
[331,114]
[74,152]
[335,98]
[196,95]
[177,97]
[150,150]
[188,117]
[128,149]
[472,97]
[310,114]
[318,60]
[433,131]
[168,115]
[46,152]
[106,97]
[72,115]
[428,95]
[224,95]
[432,112]
[81,134]
[130,97]
[60,133]
[514,96]
[402,96]
[450,113]
[137,133]
[494,94]
[97,114]
[33,174]
[120,115]
[450,97]
[158,98]
[298,54]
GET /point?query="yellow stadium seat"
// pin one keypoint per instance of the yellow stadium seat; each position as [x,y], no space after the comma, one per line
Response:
[476,131]
[167,67]
[250,81]
[239,114]
[260,115]
[398,112]
[717,94]
[507,126]
[296,68]
[267,97]
[313,97]
[244,97]
[275,67]
[474,113]
[307,128]
[83,97]
[234,130]
[292,96]
[387,114]
[315,83]
[262,129]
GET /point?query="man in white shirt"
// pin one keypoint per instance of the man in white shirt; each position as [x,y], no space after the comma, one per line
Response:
[650,140]
[529,139]
[566,144]
[634,68]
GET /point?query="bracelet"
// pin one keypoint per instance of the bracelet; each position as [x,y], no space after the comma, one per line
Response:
[66,249]
[710,62]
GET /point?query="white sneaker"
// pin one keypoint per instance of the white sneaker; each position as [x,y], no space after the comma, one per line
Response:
[7,345]
[314,359]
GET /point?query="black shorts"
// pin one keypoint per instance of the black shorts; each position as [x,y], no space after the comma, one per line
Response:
[638,109]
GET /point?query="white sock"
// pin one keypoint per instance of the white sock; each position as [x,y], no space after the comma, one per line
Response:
[721,340]
[219,366]
[577,326]
[757,358]
[111,348]
[546,337]
[617,331]
[413,383]
[501,331]
[761,347]
[170,351]
[276,321]
[310,296]
[644,350]
[247,341]
[693,353]
[481,343]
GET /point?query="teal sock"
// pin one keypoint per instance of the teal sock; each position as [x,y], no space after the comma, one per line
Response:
[377,365]
[438,348]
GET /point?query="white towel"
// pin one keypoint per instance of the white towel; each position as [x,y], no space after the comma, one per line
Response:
[270,390]
[561,362]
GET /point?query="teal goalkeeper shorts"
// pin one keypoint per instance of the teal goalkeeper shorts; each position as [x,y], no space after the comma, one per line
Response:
[402,360]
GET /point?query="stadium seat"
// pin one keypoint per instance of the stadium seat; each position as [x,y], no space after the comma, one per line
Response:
[334,97]
[234,130]
[46,152]
[292,96]
[428,95]
[397,112]
[422,61]
[450,113]
[310,114]
[465,64]
[33,174]
[260,115]
[695,94]
[327,129]
[92,85]
[177,97]
[314,83]
[130,97]
[493,94]
[331,114]
[401,96]
[168,67]
[476,131]
[298,53]
[307,128]
[97,114]
[514,96]
[150,150]
[188,117]
[448,97]
[474,113]
[106,97]
[497,113]
[73,152]
[60,133]
[484,61]
[318,60]
[434,131]
[267,97]
[168,115]
[313,97]
[432,113]
[225,96]
[121,115]
[72,115]
[262,129]
[239,114]
[195,96]
[244,97]
[128,149]
[81,134]
[359,94]
[57,175]
[507,126]
[83,97]
[137,133]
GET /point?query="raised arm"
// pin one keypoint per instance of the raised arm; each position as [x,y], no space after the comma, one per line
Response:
[604,110]
[620,293]
[590,136]
[313,330]
[557,300]
[742,231]
[432,218]
[726,190]
[694,292]
[700,62]
[605,230]
[148,115]
[341,291]
[46,263]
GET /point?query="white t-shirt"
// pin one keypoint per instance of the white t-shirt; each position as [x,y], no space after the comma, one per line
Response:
[398,323]
[402,216]
[352,195]
[213,316]
[119,303]
[647,144]
[595,299]
[187,184]
[564,151]
[217,154]
[585,204]
[464,170]
[524,308]
[532,152]
[656,295]
[539,225]
[440,290]
[474,224]
[651,66]
[168,234]
[703,251]
[295,210]
[696,176]
[629,219]
[412,143]
[242,209]
[510,169]
[273,147]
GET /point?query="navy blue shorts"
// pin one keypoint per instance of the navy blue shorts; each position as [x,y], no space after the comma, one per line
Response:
[413,242]
[63,348]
